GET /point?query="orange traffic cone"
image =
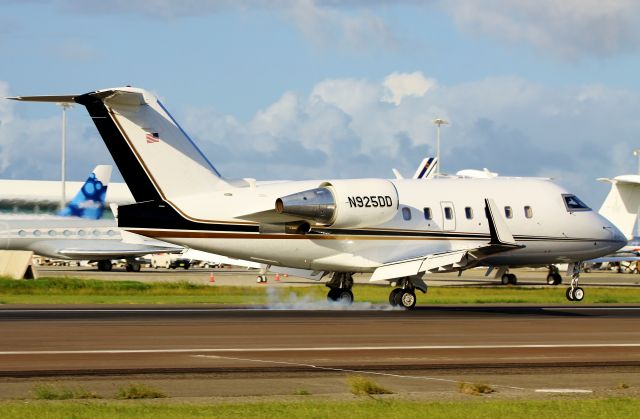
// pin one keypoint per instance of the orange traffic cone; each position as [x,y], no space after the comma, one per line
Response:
[277,277]
[211,278]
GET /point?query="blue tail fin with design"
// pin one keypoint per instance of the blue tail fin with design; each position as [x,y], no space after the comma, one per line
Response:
[89,202]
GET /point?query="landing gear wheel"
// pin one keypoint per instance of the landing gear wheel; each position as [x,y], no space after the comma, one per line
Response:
[392,296]
[104,265]
[406,299]
[345,296]
[505,279]
[578,294]
[261,279]
[132,266]
[551,280]
[513,279]
[340,295]
[569,294]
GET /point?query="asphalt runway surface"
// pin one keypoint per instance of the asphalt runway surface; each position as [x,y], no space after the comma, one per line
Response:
[529,349]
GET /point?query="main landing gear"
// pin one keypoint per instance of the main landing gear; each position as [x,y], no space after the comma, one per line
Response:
[340,286]
[405,295]
[554,277]
[508,278]
[574,292]
[104,265]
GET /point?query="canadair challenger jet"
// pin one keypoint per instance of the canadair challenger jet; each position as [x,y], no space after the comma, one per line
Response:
[398,230]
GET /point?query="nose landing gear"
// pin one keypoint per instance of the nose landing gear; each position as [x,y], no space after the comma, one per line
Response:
[574,292]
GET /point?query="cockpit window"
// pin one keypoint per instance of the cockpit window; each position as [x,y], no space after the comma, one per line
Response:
[574,204]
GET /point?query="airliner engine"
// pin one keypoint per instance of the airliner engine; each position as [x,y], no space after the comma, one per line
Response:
[344,203]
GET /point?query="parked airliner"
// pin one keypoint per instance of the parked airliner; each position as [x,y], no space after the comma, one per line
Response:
[397,229]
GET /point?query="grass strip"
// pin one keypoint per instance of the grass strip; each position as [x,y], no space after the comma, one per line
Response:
[619,408]
[92,291]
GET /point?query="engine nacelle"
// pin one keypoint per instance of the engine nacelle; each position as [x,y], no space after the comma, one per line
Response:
[344,203]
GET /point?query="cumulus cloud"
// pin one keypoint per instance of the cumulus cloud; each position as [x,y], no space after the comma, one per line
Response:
[568,29]
[348,128]
[399,85]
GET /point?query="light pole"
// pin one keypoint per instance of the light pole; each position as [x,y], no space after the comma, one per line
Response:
[439,122]
[63,162]
[636,153]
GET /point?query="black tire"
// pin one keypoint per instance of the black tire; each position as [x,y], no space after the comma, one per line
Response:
[551,280]
[392,296]
[186,266]
[128,267]
[569,294]
[344,296]
[513,280]
[505,279]
[406,299]
[332,295]
[578,294]
[105,265]
[557,279]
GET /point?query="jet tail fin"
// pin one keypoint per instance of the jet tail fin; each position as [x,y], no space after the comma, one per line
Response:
[426,170]
[621,204]
[89,202]
[153,153]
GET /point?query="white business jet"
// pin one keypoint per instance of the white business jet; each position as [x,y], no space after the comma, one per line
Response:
[397,229]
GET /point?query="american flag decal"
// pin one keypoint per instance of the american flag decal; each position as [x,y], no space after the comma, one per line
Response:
[152,137]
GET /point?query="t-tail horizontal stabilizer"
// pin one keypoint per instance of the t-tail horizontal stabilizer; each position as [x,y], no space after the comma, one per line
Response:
[501,240]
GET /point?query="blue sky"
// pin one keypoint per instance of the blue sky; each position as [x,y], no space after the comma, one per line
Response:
[324,89]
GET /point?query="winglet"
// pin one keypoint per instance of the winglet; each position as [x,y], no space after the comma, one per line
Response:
[498,229]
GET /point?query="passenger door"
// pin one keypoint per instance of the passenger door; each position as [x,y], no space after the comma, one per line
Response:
[448,216]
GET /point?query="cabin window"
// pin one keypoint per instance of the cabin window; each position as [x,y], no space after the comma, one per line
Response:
[427,214]
[406,213]
[22,233]
[508,212]
[67,233]
[37,233]
[468,211]
[96,232]
[82,233]
[448,213]
[528,211]
[111,233]
[574,204]
[52,233]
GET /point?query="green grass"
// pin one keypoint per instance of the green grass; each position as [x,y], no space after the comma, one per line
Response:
[363,386]
[619,408]
[90,291]
[475,389]
[55,392]
[139,391]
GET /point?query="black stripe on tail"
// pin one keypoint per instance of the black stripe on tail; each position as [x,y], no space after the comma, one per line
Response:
[131,169]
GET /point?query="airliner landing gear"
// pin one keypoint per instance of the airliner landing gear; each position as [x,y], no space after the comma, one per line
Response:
[509,279]
[574,292]
[104,265]
[132,266]
[554,277]
[405,295]
[340,286]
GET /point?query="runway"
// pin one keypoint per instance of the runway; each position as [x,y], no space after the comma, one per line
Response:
[79,341]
